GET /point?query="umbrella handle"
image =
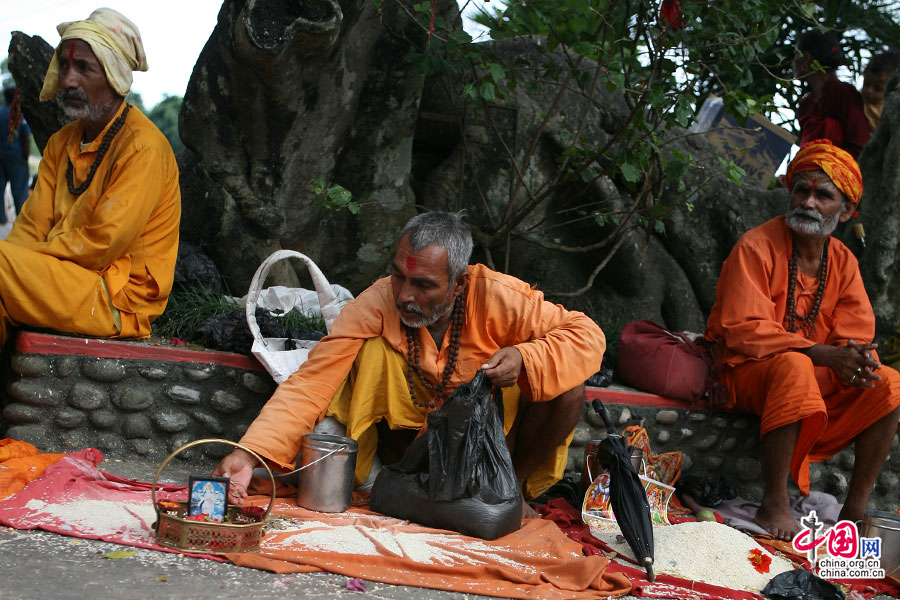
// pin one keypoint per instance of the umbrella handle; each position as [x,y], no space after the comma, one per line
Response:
[648,567]
[601,410]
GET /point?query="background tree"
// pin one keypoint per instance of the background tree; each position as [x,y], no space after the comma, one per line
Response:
[165,116]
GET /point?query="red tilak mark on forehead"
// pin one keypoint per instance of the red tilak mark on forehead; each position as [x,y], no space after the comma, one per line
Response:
[411,263]
[71,52]
[813,184]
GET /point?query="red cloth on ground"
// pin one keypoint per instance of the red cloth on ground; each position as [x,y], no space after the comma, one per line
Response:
[75,498]
[568,519]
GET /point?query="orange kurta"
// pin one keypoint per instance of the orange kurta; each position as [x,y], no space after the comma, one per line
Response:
[760,370]
[560,350]
[123,229]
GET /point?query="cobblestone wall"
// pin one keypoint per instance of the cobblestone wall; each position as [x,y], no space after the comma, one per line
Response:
[728,444]
[125,407]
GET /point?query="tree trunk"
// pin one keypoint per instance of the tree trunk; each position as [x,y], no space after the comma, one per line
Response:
[285,93]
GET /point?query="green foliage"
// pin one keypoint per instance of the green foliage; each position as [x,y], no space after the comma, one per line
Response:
[165,116]
[136,100]
[662,73]
[334,196]
[189,307]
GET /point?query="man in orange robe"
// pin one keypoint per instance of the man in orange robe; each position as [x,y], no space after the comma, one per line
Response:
[408,340]
[93,250]
[794,327]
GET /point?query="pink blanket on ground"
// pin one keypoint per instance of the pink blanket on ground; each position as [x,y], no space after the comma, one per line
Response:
[74,497]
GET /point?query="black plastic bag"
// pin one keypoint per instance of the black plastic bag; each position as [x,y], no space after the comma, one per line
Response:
[799,584]
[707,490]
[603,377]
[459,475]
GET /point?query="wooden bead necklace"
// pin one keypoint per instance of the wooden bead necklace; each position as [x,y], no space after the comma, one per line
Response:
[101,152]
[412,346]
[807,322]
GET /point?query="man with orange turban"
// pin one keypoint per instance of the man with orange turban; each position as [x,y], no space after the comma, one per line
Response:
[794,327]
[93,249]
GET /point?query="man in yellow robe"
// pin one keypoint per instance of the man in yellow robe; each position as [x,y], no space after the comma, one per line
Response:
[794,327]
[400,348]
[93,250]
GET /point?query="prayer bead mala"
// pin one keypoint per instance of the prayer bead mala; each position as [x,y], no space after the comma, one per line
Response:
[412,345]
[101,152]
[795,321]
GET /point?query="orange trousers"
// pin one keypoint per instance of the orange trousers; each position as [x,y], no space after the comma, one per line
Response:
[787,388]
[43,291]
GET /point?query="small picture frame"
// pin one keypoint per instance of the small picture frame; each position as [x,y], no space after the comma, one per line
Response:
[208,495]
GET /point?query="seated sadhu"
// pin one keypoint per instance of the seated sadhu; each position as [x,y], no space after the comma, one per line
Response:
[93,250]
[795,327]
[397,351]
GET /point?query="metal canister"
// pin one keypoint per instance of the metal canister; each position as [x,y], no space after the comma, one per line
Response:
[885,525]
[326,481]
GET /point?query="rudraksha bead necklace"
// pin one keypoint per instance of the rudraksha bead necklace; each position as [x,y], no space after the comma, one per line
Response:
[794,320]
[101,152]
[412,346]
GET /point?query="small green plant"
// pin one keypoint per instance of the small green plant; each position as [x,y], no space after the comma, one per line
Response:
[334,196]
[188,308]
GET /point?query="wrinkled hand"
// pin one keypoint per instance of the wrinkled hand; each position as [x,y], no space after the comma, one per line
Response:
[238,467]
[854,365]
[504,367]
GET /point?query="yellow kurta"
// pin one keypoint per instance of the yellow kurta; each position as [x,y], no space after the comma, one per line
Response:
[121,234]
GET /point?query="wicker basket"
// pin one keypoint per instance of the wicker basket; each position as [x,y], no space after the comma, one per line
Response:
[241,534]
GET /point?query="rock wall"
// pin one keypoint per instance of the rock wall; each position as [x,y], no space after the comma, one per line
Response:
[727,444]
[126,407]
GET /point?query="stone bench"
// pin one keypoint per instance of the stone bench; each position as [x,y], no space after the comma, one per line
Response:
[148,398]
[128,397]
[717,441]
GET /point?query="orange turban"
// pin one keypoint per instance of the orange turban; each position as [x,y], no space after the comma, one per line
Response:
[837,164]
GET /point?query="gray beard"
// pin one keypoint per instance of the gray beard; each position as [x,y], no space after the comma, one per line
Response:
[811,222]
[85,112]
[427,318]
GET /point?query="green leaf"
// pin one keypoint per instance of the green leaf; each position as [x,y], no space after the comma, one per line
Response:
[496,71]
[630,172]
[487,91]
[120,554]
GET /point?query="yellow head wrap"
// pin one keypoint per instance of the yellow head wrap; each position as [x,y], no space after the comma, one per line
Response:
[840,167]
[115,41]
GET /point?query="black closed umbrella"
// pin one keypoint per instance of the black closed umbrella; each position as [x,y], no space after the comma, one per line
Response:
[626,494]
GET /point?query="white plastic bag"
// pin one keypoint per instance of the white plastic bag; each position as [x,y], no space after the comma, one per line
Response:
[271,352]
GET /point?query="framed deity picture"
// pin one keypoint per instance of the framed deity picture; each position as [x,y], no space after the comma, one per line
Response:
[208,496]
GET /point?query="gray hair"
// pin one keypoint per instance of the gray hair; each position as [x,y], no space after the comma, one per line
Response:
[447,230]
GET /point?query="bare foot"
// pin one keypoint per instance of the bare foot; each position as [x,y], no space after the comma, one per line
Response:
[528,511]
[778,522]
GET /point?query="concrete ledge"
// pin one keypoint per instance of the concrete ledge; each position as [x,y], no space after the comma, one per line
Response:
[32,342]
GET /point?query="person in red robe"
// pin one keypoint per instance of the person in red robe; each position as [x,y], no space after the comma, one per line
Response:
[831,109]
[794,328]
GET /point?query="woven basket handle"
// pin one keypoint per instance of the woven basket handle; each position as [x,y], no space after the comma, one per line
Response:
[328,302]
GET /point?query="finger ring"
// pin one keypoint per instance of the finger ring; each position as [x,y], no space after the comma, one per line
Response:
[853,379]
[858,370]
